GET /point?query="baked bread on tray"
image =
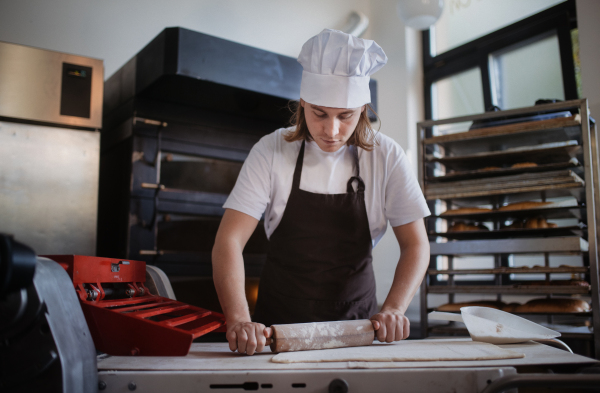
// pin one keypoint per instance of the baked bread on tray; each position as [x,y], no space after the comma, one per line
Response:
[510,207]
[463,227]
[455,307]
[465,210]
[554,305]
[524,206]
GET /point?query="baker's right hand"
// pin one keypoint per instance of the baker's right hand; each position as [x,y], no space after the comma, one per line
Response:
[247,337]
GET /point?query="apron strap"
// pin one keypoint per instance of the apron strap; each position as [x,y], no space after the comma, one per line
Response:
[298,169]
[361,184]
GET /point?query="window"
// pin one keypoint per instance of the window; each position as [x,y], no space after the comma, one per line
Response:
[516,65]
[457,95]
[463,21]
[526,72]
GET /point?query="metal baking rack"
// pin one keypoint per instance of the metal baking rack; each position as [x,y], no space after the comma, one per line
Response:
[557,159]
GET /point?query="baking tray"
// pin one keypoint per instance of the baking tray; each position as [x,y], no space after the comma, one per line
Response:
[575,314]
[549,212]
[509,289]
[523,194]
[512,270]
[540,154]
[512,233]
[480,173]
[569,244]
[526,182]
[502,137]
[502,181]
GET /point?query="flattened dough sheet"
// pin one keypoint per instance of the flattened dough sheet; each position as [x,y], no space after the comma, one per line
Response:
[403,351]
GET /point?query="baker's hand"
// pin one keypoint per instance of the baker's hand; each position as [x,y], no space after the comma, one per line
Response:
[247,337]
[390,326]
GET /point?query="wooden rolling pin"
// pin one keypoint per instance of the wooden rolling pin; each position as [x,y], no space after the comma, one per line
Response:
[321,335]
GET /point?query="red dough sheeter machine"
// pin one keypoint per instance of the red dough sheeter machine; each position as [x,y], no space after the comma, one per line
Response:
[145,336]
[125,318]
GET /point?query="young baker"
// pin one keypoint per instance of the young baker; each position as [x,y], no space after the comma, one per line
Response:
[327,187]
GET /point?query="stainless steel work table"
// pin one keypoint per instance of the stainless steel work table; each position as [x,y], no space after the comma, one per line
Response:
[212,366]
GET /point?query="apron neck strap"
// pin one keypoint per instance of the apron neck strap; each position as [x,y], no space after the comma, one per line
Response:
[361,184]
[298,169]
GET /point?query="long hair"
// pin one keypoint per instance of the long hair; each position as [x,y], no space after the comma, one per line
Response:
[363,135]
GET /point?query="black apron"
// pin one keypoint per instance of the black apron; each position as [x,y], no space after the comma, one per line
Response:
[319,264]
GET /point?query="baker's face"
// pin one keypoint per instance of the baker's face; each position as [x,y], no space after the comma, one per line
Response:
[330,128]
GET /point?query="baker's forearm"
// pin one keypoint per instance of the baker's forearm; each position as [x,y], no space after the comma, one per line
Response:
[229,279]
[407,278]
[228,264]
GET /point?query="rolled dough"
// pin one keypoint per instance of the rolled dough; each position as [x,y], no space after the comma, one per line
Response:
[403,351]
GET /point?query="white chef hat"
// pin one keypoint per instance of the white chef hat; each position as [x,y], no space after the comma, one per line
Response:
[337,68]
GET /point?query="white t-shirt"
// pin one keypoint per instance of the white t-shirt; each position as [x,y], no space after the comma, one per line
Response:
[264,185]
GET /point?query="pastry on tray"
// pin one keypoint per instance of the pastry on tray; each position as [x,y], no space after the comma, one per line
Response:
[455,307]
[533,223]
[554,305]
[524,165]
[490,168]
[462,227]
[465,210]
[527,267]
[524,206]
[511,307]
[568,266]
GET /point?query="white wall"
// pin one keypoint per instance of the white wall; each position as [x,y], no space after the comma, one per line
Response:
[400,87]
[115,30]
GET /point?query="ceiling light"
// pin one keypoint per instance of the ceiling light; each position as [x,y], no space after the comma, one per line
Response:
[420,14]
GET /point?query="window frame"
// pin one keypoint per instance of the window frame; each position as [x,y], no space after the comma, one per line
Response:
[562,18]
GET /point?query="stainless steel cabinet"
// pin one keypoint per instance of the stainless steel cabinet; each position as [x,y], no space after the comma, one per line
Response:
[50,111]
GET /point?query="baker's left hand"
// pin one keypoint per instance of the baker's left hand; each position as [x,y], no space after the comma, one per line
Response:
[390,326]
